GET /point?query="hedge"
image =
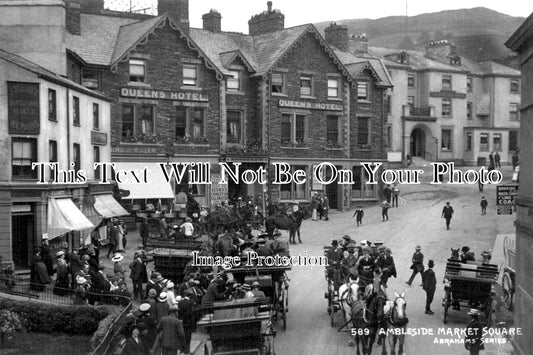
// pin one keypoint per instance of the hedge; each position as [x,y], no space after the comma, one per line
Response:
[49,318]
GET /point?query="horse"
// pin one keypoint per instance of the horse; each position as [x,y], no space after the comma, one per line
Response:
[376,299]
[286,222]
[348,295]
[455,254]
[226,245]
[396,320]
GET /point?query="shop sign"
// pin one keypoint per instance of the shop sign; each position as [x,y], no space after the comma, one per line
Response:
[326,106]
[98,138]
[163,95]
[483,104]
[23,108]
[134,150]
[219,192]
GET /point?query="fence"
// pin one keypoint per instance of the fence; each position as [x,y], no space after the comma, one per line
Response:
[25,288]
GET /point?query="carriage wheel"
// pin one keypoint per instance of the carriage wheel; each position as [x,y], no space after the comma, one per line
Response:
[447,302]
[508,291]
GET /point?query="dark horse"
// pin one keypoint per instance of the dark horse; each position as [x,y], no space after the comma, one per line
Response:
[226,219]
[286,222]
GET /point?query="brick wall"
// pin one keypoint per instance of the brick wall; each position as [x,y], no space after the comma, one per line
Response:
[164,71]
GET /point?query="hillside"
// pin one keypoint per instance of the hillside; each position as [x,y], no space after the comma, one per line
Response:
[479,33]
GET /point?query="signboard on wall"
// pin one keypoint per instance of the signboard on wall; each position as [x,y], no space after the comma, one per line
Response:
[23,108]
[219,192]
[483,104]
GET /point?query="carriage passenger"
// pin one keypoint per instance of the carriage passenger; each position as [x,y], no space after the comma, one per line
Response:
[346,241]
[187,228]
[256,290]
[386,263]
[349,262]
[215,291]
[365,267]
[263,249]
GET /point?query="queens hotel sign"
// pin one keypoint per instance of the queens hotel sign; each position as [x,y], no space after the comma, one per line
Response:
[310,105]
[163,95]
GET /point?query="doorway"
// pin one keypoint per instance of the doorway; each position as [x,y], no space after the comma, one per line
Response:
[418,143]
[22,239]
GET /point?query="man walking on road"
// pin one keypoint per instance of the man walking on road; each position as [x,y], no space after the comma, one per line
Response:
[418,264]
[483,204]
[385,210]
[395,195]
[359,214]
[429,284]
[447,213]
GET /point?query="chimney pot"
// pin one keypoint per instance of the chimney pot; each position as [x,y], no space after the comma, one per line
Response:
[269,6]
[266,22]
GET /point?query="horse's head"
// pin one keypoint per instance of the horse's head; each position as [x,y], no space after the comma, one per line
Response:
[398,309]
[455,254]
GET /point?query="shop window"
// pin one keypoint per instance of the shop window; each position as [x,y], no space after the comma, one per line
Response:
[137,70]
[294,191]
[75,110]
[24,153]
[333,88]
[446,139]
[234,127]
[360,189]
[278,83]
[52,105]
[306,85]
[190,75]
[197,190]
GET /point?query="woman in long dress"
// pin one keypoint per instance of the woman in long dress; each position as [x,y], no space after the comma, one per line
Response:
[61,287]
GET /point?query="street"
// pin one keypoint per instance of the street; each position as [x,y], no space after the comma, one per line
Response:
[416,221]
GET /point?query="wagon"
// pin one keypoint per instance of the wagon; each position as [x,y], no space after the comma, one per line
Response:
[508,277]
[238,327]
[274,283]
[172,257]
[470,284]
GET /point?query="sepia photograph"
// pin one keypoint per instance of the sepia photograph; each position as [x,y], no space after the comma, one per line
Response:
[253,177]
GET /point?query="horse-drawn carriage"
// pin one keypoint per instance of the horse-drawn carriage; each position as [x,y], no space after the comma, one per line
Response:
[238,327]
[508,277]
[470,284]
[274,283]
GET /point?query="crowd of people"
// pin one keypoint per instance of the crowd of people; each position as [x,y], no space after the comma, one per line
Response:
[366,263]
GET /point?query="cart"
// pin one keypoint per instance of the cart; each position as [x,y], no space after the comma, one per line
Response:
[470,284]
[238,327]
[274,283]
[508,277]
[172,257]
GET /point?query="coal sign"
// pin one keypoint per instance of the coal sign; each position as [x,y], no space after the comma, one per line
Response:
[23,108]
[505,198]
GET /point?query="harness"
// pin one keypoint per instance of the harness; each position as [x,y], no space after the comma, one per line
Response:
[390,317]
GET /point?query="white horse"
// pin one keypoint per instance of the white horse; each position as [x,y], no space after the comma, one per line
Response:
[348,296]
[396,322]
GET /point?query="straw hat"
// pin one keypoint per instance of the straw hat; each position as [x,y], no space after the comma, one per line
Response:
[473,312]
[117,257]
[163,297]
[60,253]
[81,280]
[144,307]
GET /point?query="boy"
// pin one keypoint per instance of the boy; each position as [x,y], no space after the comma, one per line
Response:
[359,214]
[483,204]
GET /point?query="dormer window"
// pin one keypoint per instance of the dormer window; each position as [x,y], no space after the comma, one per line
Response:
[234,83]
[456,60]
[402,58]
[137,70]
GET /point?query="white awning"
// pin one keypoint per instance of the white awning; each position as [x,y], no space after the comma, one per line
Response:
[64,216]
[108,207]
[157,187]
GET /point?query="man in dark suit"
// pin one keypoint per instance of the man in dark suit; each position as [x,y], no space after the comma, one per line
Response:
[417,264]
[447,213]
[429,283]
[212,293]
[172,333]
[138,275]
[474,334]
[134,344]
[386,263]
[188,316]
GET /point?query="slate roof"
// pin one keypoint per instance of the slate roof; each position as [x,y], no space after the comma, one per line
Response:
[493,68]
[98,39]
[356,64]
[47,74]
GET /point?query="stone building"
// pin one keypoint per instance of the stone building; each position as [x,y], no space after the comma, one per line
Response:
[522,42]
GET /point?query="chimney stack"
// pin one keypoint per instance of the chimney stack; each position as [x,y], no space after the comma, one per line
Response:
[212,21]
[359,44]
[72,16]
[178,10]
[267,21]
[92,6]
[337,36]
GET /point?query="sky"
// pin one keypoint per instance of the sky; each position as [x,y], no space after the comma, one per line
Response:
[236,13]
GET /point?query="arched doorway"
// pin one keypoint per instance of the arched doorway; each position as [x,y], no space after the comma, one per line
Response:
[417,146]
